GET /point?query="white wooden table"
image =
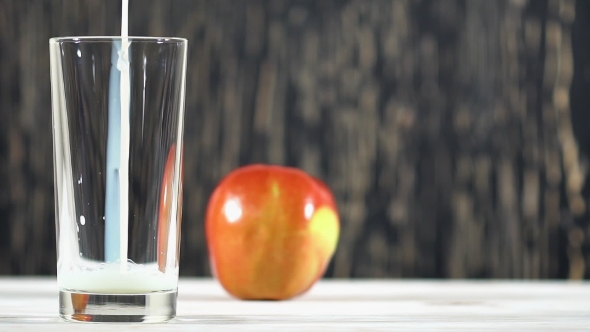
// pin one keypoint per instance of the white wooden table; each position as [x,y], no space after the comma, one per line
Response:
[30,304]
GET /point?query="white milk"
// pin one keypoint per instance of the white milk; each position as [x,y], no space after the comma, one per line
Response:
[109,279]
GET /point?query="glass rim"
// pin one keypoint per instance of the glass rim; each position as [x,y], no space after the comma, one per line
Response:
[110,39]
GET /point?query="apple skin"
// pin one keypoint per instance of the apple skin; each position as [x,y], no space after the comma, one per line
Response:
[79,302]
[271,231]
[165,209]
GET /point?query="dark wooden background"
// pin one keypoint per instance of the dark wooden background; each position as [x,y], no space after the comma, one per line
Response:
[454,133]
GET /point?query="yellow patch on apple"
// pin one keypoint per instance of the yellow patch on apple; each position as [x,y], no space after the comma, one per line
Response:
[325,226]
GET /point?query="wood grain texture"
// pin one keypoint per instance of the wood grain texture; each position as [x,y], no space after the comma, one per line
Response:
[29,304]
[454,133]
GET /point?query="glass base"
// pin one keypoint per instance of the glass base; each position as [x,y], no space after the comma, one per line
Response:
[143,308]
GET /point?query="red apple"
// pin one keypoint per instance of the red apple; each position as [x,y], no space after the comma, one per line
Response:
[271,231]
[165,208]
[79,302]
[82,317]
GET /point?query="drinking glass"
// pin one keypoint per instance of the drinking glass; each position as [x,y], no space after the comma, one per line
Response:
[118,115]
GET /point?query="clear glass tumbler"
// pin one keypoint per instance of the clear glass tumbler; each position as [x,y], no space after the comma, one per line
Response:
[118,115]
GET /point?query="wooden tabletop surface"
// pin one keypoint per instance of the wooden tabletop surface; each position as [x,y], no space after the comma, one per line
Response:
[30,304]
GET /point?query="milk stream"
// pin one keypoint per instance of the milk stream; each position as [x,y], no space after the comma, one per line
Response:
[123,66]
[116,203]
